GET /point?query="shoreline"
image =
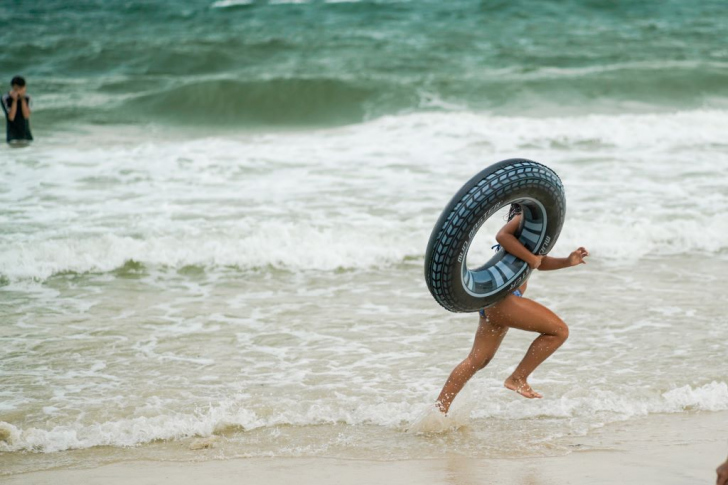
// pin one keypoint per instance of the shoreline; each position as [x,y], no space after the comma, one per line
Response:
[665,448]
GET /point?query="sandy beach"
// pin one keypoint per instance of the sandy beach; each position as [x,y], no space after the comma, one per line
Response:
[663,449]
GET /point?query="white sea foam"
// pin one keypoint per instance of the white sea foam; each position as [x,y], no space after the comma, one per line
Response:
[205,422]
[295,246]
[357,197]
[230,3]
[289,246]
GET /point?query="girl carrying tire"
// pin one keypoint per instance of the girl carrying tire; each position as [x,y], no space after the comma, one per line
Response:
[513,311]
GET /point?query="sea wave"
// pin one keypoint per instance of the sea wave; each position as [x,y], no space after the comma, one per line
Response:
[231,415]
[360,197]
[319,99]
[276,62]
[294,246]
[231,3]
[277,101]
[288,246]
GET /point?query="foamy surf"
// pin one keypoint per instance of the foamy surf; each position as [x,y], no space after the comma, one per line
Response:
[206,425]
[432,420]
[362,197]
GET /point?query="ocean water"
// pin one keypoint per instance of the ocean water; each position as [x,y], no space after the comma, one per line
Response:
[214,248]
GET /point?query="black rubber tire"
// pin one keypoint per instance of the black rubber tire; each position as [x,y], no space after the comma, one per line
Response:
[541,194]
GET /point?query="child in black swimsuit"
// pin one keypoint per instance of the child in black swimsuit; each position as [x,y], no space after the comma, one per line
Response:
[16,105]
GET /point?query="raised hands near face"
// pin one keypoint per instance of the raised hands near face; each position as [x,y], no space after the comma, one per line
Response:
[18,92]
[577,257]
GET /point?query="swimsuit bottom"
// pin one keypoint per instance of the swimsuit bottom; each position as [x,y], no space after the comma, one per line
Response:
[482,310]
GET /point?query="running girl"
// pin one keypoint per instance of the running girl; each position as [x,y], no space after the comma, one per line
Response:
[514,311]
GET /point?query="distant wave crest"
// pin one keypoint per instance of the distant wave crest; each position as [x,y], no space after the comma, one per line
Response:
[341,99]
[281,101]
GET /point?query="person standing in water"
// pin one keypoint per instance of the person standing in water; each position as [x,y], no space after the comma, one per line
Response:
[513,311]
[16,105]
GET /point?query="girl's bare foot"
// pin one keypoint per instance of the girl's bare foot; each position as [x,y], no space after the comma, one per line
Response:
[521,387]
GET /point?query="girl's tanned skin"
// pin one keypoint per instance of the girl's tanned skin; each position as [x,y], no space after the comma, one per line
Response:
[514,311]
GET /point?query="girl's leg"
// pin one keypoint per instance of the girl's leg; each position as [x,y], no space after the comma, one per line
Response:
[487,340]
[526,314]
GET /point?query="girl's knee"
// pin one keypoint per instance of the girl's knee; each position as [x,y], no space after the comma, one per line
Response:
[478,362]
[562,332]
[557,328]
[482,363]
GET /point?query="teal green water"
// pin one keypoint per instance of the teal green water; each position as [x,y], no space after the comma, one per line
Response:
[317,63]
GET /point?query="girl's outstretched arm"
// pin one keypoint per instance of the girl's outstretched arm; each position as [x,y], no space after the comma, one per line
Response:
[506,237]
[576,257]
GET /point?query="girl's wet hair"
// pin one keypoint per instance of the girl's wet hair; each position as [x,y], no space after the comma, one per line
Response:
[514,211]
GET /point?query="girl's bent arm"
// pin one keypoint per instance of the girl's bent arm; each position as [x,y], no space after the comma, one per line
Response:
[506,237]
[510,243]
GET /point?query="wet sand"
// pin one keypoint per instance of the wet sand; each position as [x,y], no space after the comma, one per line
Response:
[666,449]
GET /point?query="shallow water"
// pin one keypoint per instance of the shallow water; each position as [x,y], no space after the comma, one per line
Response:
[265,291]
